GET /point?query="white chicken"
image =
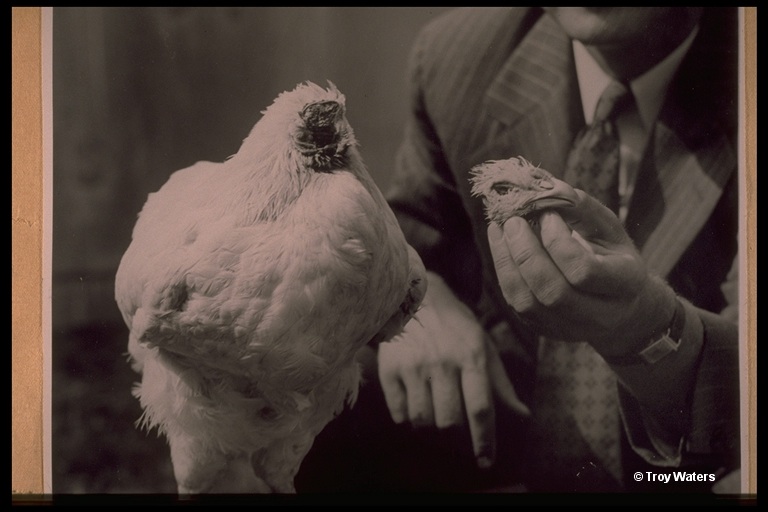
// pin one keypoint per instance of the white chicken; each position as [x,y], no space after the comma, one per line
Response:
[248,287]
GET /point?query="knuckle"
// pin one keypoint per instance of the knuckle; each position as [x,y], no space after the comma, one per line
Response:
[523,255]
[503,260]
[475,356]
[580,272]
[523,301]
[551,293]
[444,367]
[406,367]
[388,370]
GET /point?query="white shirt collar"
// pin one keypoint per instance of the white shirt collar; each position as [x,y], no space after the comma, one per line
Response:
[649,89]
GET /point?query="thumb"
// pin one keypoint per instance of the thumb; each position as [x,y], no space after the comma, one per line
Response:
[594,221]
[500,383]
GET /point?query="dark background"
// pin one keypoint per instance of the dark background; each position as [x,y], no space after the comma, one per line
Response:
[137,94]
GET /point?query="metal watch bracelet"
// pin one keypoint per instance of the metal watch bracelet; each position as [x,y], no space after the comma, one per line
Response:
[658,348]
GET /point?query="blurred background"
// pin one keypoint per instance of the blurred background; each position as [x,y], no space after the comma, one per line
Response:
[137,94]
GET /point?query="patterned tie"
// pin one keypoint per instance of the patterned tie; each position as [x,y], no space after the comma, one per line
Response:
[593,164]
[577,406]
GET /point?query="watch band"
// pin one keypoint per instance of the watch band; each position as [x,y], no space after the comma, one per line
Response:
[658,348]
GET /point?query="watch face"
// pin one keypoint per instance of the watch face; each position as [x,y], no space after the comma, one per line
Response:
[659,349]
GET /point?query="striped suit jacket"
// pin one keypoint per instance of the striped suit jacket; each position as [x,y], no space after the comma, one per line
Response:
[491,83]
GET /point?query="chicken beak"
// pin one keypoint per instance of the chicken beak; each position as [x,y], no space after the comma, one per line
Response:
[555,194]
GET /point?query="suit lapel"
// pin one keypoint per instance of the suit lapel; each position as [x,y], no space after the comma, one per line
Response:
[691,157]
[535,97]
[675,195]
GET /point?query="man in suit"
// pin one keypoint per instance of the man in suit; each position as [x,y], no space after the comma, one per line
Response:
[493,83]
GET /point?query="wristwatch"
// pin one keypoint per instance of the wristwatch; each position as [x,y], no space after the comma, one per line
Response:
[658,348]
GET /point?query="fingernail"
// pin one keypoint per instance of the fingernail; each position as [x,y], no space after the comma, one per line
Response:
[484,462]
[398,418]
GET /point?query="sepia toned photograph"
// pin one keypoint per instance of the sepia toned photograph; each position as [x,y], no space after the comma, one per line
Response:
[305,251]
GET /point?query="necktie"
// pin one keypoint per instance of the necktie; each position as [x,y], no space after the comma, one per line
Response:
[593,164]
[577,406]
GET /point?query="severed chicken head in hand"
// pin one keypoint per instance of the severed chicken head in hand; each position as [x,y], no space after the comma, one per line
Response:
[516,187]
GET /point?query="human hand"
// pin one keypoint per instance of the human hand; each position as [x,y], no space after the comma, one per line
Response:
[443,370]
[581,278]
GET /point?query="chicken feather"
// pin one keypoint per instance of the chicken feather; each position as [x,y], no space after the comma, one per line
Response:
[248,287]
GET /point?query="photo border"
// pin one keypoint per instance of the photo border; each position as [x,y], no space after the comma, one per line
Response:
[30,301]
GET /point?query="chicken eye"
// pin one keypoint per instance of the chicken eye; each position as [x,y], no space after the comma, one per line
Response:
[503,188]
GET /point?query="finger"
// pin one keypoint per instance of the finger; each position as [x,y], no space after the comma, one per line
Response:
[513,286]
[446,397]
[419,397]
[589,270]
[500,383]
[481,415]
[543,277]
[393,388]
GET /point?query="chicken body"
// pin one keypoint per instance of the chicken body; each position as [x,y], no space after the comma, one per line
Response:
[515,187]
[249,286]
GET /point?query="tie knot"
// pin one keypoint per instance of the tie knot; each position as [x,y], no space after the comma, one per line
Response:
[614,98]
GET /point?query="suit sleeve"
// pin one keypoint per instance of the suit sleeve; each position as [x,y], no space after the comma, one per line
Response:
[424,195]
[700,383]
